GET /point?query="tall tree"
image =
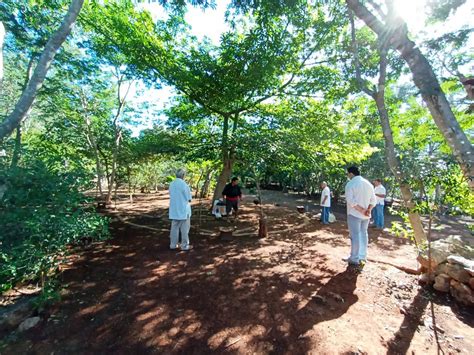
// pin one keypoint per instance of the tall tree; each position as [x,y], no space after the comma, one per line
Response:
[123,88]
[377,93]
[392,30]
[28,96]
[256,61]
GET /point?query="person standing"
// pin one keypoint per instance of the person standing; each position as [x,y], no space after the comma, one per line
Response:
[232,195]
[360,200]
[325,202]
[180,211]
[380,193]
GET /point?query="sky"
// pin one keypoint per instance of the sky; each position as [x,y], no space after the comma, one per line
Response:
[211,23]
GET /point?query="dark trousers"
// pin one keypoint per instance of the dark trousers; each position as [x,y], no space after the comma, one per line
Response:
[229,205]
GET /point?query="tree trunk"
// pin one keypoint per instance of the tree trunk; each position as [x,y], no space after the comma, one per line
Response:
[98,168]
[394,163]
[93,144]
[207,182]
[28,96]
[227,161]
[395,167]
[19,128]
[394,33]
[17,147]
[223,178]
[392,159]
[196,188]
[105,165]
[113,173]
[117,131]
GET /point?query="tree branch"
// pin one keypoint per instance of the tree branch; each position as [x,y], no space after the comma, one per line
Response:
[377,8]
[361,11]
[362,85]
[34,85]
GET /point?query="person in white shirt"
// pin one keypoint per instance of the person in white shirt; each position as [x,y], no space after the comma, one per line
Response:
[380,193]
[360,199]
[325,202]
[180,211]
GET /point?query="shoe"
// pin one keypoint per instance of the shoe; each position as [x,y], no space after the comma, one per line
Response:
[187,249]
[172,249]
[361,264]
[354,268]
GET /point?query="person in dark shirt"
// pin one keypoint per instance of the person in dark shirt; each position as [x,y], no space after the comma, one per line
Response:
[232,194]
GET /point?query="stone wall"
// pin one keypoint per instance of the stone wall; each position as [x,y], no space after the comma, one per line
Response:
[452,266]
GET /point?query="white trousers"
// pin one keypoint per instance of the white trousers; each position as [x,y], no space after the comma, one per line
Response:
[177,226]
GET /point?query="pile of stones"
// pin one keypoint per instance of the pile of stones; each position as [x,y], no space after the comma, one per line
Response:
[452,267]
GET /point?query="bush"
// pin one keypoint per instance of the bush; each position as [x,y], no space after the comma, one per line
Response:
[41,213]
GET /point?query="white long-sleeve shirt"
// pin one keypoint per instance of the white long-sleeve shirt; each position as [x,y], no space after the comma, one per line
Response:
[180,198]
[359,192]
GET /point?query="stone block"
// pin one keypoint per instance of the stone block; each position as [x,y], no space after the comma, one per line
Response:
[462,293]
[442,283]
[458,273]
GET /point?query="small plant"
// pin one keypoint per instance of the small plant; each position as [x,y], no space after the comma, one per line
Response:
[49,294]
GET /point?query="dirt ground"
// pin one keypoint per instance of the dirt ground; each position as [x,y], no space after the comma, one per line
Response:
[289,293]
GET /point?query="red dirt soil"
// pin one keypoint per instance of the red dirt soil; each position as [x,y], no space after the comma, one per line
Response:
[289,293]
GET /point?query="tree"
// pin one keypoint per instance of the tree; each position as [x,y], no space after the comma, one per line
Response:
[377,93]
[393,32]
[249,67]
[300,143]
[39,74]
[126,83]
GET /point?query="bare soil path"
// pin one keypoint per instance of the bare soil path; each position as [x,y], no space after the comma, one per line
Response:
[289,293]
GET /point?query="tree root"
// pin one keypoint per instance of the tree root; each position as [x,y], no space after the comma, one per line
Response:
[405,269]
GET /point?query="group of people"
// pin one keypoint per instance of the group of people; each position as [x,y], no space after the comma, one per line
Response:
[363,200]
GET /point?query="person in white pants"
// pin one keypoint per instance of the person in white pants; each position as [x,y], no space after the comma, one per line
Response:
[180,211]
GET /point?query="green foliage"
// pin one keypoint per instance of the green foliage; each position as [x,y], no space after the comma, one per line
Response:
[450,190]
[401,229]
[282,78]
[50,294]
[42,212]
[301,143]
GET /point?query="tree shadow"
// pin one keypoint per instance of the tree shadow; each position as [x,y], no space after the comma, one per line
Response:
[331,301]
[423,302]
[133,295]
[401,341]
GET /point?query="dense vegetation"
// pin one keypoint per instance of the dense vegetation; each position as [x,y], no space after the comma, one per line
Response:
[293,93]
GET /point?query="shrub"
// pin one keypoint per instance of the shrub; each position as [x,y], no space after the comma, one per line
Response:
[41,213]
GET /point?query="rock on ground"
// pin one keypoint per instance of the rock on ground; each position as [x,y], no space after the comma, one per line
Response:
[458,273]
[462,293]
[29,323]
[442,283]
